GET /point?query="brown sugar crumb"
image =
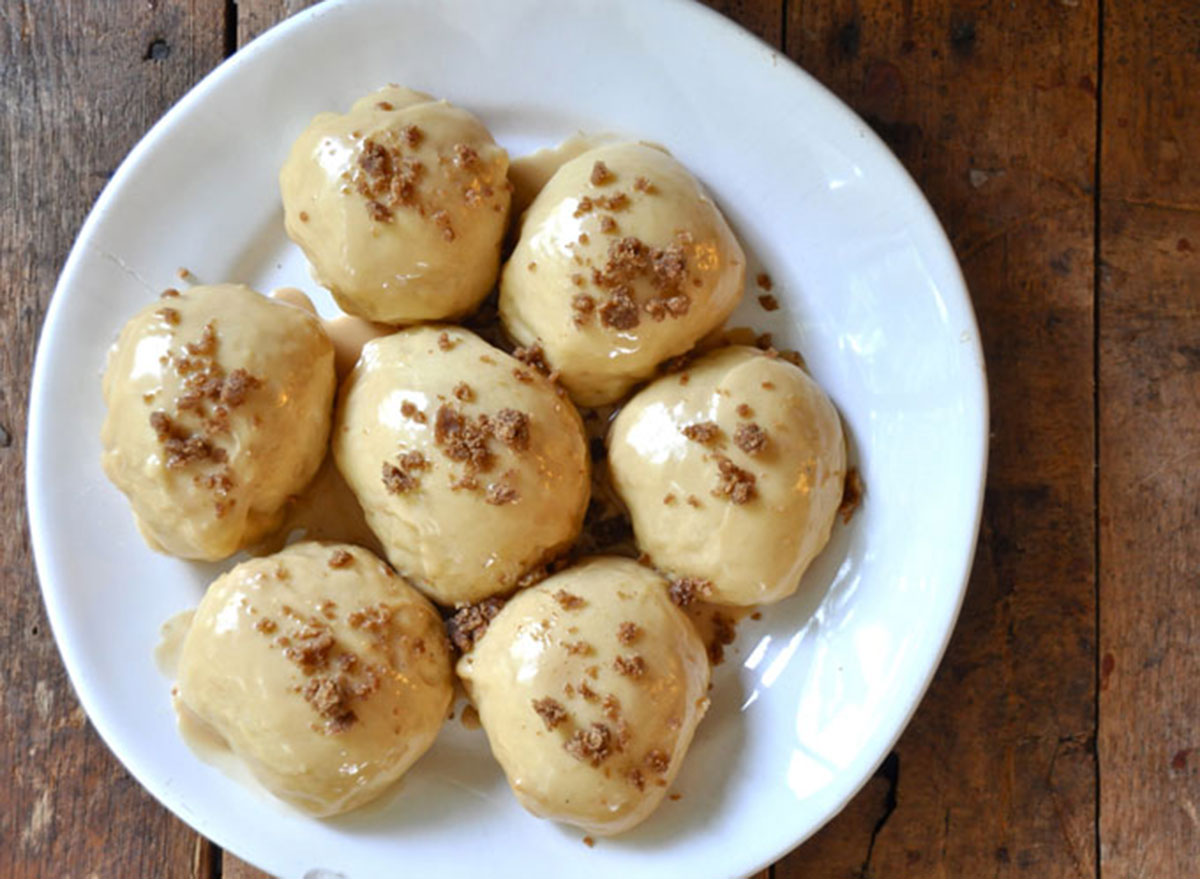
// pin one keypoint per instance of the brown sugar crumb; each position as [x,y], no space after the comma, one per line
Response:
[303,216]
[628,632]
[674,797]
[169,293]
[328,609]
[704,432]
[170,315]
[723,634]
[768,386]
[685,590]
[398,480]
[463,439]
[593,745]
[734,483]
[412,135]
[532,267]
[340,559]
[750,438]
[469,623]
[601,175]
[616,202]
[657,761]
[641,184]
[238,384]
[765,342]
[584,238]
[744,411]
[512,428]
[611,707]
[384,105]
[768,302]
[620,312]
[582,305]
[523,375]
[568,601]
[634,776]
[693,501]
[442,220]
[310,647]
[410,411]
[463,392]
[584,206]
[445,343]
[852,493]
[379,212]
[465,156]
[181,447]
[630,666]
[206,345]
[385,178]
[668,499]
[608,225]
[764,280]
[551,712]
[182,273]
[266,626]
[498,494]
[330,698]
[533,356]
[589,842]
[373,619]
[586,691]
[578,648]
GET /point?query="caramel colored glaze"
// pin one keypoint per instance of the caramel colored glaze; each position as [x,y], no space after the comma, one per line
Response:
[752,528]
[590,686]
[218,411]
[321,669]
[466,520]
[566,277]
[427,249]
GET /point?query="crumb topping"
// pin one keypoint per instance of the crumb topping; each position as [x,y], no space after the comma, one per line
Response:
[410,411]
[169,315]
[734,483]
[768,302]
[744,411]
[593,745]
[704,432]
[686,590]
[723,634]
[533,356]
[630,666]
[641,184]
[568,600]
[387,178]
[628,632]
[498,494]
[608,225]
[463,392]
[445,343]
[657,761]
[551,712]
[341,559]
[582,306]
[630,259]
[404,476]
[468,624]
[462,438]
[601,175]
[764,280]
[512,429]
[578,648]
[750,438]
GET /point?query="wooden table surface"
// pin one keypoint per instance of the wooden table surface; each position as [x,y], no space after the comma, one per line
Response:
[1054,138]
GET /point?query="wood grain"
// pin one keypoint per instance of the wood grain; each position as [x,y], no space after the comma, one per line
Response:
[992,109]
[1149,474]
[79,84]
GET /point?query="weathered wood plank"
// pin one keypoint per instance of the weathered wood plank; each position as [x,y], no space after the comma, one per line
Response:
[1150,441]
[992,109]
[79,84]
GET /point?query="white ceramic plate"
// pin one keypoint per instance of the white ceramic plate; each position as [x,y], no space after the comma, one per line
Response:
[818,689]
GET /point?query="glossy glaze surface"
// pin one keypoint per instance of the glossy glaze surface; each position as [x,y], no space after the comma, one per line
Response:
[551,291]
[641,690]
[434,253]
[273,635]
[792,460]
[460,532]
[263,439]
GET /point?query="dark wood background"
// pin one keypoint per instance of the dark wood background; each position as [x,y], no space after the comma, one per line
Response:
[1056,139]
